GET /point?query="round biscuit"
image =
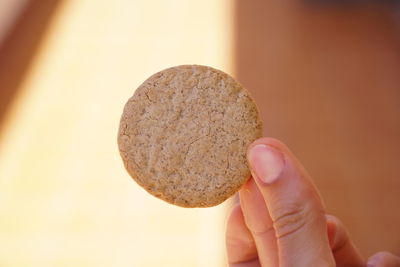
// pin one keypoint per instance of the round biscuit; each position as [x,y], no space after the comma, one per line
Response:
[184,134]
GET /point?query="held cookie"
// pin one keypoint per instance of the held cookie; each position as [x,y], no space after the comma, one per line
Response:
[184,133]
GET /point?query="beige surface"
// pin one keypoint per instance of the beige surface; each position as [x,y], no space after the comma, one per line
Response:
[65,198]
[184,134]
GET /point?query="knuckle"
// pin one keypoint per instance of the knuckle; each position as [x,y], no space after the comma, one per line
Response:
[290,219]
[259,226]
[262,231]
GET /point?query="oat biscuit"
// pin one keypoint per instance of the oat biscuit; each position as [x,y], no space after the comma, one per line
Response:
[184,133]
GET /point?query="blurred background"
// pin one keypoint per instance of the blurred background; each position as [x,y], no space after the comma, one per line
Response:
[325,74]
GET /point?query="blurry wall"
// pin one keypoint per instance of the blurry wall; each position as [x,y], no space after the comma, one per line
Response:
[326,75]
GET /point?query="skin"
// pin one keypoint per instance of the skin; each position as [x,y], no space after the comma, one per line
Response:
[281,220]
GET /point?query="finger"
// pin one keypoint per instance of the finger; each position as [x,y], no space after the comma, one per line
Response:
[240,245]
[259,223]
[294,205]
[384,259]
[344,251]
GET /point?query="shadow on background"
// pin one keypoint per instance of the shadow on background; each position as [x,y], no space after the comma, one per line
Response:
[326,79]
[19,47]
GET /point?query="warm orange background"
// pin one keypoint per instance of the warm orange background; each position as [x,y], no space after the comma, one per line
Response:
[326,78]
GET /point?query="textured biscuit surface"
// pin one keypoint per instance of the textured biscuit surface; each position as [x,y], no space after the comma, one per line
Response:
[184,133]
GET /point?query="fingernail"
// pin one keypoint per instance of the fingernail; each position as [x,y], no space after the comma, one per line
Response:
[266,162]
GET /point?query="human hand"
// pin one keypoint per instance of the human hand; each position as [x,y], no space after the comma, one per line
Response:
[281,219]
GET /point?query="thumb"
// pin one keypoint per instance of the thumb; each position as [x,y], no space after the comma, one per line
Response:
[294,205]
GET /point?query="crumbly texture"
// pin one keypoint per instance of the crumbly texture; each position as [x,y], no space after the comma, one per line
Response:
[184,133]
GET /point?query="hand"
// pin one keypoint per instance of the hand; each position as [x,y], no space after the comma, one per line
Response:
[281,219]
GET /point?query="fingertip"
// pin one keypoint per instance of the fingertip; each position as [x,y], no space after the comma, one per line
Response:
[331,228]
[235,223]
[337,233]
[239,241]
[383,259]
[236,211]
[280,156]
[235,215]
[258,221]
[344,251]
[266,163]
[270,141]
[255,211]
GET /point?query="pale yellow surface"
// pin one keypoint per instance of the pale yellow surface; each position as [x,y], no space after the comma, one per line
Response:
[65,198]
